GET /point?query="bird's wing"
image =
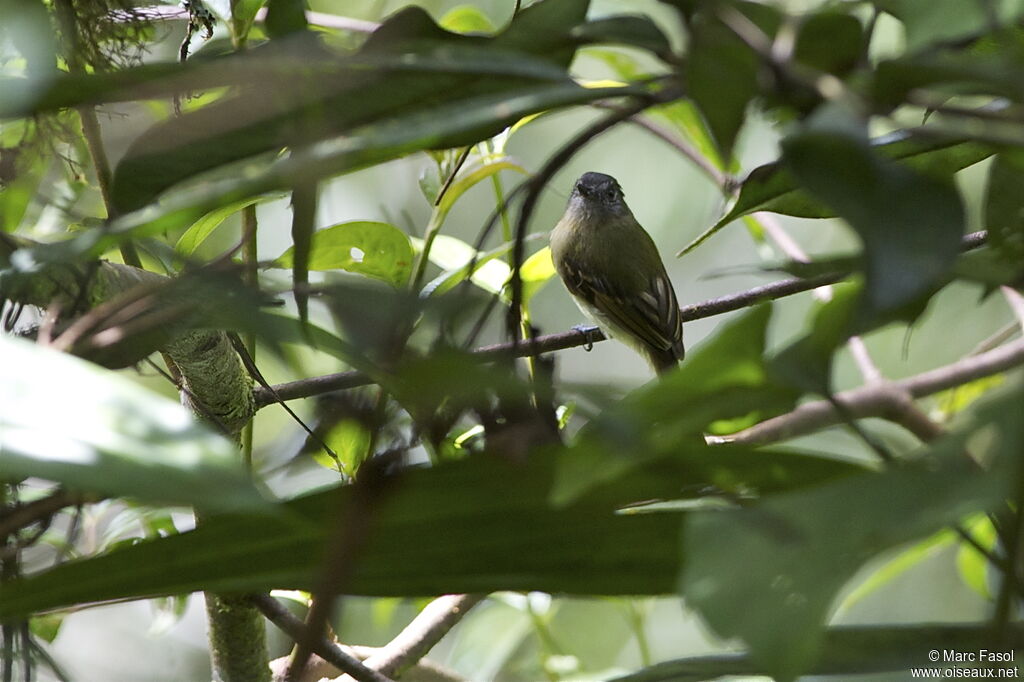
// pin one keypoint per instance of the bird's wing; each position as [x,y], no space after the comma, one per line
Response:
[651,314]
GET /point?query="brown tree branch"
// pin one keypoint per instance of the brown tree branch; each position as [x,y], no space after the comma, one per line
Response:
[305,388]
[888,399]
[420,636]
[323,647]
[23,515]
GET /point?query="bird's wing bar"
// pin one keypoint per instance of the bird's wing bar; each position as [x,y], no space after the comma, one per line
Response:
[652,316]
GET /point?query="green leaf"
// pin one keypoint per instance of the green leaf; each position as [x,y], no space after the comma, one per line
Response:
[374,249]
[415,69]
[936,21]
[773,188]
[466,19]
[535,272]
[470,177]
[989,267]
[829,41]
[103,434]
[723,378]
[1004,205]
[478,524]
[722,70]
[201,229]
[635,31]
[899,565]
[807,361]
[910,223]
[285,17]
[243,13]
[800,548]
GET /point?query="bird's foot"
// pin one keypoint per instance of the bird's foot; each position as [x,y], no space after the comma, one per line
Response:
[588,331]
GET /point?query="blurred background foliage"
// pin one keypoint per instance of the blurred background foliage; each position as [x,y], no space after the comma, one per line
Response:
[349,190]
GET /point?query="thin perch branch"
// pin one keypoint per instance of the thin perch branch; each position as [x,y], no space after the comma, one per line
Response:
[420,636]
[305,388]
[323,647]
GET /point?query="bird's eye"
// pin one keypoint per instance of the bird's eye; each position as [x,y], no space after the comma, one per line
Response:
[609,195]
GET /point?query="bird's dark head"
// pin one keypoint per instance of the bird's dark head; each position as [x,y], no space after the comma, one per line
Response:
[598,193]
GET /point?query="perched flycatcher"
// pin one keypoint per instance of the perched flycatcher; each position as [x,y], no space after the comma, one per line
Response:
[611,267]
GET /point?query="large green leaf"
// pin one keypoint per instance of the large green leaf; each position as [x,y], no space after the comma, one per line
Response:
[66,420]
[476,525]
[849,651]
[773,188]
[722,70]
[798,549]
[311,107]
[374,249]
[1004,205]
[936,21]
[909,223]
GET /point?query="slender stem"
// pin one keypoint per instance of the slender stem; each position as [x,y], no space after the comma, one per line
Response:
[637,620]
[1013,539]
[250,256]
[68,21]
[437,218]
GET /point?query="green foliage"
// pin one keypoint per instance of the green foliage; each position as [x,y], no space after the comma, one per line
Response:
[373,249]
[909,223]
[436,533]
[840,525]
[103,435]
[530,475]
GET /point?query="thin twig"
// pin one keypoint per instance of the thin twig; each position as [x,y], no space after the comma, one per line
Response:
[21,516]
[305,388]
[417,638]
[323,647]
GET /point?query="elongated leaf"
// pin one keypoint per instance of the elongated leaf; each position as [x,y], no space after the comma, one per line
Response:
[936,21]
[205,226]
[312,108]
[476,525]
[721,70]
[475,175]
[103,434]
[1004,205]
[636,31]
[772,187]
[374,249]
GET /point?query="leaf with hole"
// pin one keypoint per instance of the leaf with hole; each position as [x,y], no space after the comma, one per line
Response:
[374,249]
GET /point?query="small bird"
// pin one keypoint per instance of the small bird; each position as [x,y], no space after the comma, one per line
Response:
[611,267]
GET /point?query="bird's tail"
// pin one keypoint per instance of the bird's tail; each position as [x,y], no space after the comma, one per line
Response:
[664,361]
